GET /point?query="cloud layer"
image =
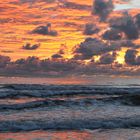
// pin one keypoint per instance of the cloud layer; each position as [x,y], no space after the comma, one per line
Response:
[104,42]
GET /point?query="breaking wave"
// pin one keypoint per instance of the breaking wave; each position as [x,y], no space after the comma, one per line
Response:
[50,107]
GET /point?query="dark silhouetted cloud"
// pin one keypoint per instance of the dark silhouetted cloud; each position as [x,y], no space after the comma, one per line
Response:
[4,60]
[90,29]
[137,18]
[130,57]
[92,46]
[102,8]
[28,46]
[107,58]
[31,63]
[73,5]
[45,30]
[56,56]
[112,34]
[33,66]
[127,25]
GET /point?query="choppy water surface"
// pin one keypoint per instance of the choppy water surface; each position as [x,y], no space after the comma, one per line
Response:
[69,112]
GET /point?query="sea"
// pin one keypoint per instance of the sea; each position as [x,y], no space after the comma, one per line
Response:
[91,108]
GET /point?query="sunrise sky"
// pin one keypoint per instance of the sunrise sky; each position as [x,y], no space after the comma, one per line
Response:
[26,48]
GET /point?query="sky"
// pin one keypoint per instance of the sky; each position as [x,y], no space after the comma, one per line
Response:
[56,38]
[132,4]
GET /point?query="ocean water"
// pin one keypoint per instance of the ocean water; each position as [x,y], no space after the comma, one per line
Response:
[69,112]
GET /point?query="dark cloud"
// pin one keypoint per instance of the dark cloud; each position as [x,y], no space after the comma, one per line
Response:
[56,56]
[104,69]
[92,46]
[28,46]
[107,58]
[4,61]
[112,34]
[24,1]
[33,66]
[130,57]
[102,8]
[80,56]
[72,5]
[45,30]
[127,25]
[127,43]
[137,18]
[138,60]
[123,43]
[31,63]
[90,29]
[64,66]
